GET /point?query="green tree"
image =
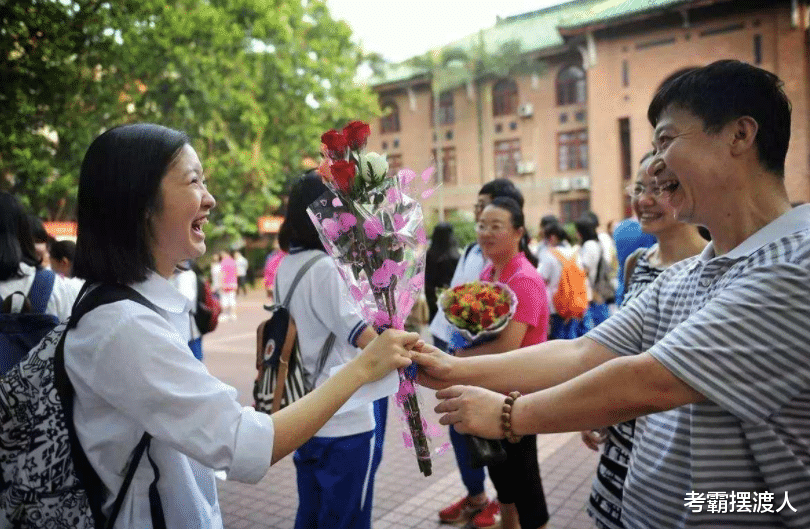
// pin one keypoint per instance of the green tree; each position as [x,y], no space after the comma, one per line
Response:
[253,82]
[57,90]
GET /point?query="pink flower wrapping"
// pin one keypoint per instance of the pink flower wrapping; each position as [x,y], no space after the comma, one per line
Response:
[374,230]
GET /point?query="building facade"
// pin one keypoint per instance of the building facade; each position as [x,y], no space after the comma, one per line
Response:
[569,124]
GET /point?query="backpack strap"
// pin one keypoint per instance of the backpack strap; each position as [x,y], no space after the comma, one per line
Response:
[560,257]
[297,278]
[630,265]
[330,340]
[327,346]
[41,289]
[86,301]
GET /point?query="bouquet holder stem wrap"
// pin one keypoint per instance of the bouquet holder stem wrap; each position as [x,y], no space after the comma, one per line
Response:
[378,244]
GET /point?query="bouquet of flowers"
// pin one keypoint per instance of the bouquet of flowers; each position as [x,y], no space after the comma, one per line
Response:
[373,229]
[478,311]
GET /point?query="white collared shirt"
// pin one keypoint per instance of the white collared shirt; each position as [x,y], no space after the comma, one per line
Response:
[133,371]
[321,304]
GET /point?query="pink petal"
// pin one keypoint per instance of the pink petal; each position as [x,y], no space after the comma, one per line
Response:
[442,449]
[336,202]
[406,176]
[427,193]
[407,439]
[373,228]
[420,235]
[394,195]
[356,294]
[347,220]
[399,222]
[428,173]
[331,229]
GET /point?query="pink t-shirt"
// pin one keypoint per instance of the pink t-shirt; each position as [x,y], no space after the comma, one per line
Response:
[271,266]
[530,289]
[228,268]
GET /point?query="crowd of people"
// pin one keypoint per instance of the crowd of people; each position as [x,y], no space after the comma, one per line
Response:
[665,356]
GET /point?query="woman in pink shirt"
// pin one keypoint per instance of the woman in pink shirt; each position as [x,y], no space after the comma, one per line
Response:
[503,239]
[228,287]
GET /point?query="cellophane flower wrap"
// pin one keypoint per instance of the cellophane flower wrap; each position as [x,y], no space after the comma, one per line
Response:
[373,228]
[478,311]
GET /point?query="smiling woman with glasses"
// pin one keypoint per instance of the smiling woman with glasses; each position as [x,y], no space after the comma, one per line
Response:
[676,241]
[502,236]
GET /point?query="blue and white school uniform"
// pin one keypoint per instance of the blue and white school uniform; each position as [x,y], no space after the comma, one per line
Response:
[334,469]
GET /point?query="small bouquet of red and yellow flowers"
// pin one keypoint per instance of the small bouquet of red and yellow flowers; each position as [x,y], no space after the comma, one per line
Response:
[478,311]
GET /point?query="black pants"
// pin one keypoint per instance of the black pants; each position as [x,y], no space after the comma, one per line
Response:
[517,480]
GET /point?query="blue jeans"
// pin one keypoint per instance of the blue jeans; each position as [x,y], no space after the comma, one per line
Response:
[599,312]
[568,330]
[473,478]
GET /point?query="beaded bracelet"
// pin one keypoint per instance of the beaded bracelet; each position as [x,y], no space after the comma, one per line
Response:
[506,418]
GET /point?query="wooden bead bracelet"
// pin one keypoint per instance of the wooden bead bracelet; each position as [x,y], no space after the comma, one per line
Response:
[506,418]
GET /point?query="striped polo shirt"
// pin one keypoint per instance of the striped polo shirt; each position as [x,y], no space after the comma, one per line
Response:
[736,328]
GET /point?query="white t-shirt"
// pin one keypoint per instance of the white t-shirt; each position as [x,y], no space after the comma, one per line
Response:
[590,252]
[62,297]
[241,265]
[132,372]
[321,304]
[468,269]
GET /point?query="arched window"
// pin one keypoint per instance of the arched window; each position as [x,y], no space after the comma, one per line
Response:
[571,85]
[389,122]
[504,98]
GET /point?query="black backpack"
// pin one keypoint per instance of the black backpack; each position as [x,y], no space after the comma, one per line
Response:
[23,322]
[281,378]
[45,477]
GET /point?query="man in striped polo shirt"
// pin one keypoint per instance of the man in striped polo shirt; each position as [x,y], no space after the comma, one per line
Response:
[714,356]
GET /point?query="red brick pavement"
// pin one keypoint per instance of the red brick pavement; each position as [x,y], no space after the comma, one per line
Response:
[403,498]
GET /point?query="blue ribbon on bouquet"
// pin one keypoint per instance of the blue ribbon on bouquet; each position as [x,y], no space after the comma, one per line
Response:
[458,341]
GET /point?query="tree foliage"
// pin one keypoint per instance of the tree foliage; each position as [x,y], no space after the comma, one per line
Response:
[253,82]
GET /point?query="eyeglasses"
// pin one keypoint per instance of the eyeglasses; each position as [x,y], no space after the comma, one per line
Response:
[656,190]
[494,228]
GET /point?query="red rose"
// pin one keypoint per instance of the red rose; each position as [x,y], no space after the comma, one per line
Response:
[356,134]
[335,144]
[343,173]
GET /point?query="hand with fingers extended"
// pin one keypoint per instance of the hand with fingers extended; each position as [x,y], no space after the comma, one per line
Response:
[390,350]
[594,438]
[472,410]
[435,366]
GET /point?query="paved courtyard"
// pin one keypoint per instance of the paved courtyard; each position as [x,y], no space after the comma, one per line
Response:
[403,498]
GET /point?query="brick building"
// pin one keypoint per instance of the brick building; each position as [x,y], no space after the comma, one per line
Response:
[569,124]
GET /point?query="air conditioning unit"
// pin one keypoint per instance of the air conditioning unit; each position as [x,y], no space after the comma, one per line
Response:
[525,167]
[526,110]
[561,183]
[581,182]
